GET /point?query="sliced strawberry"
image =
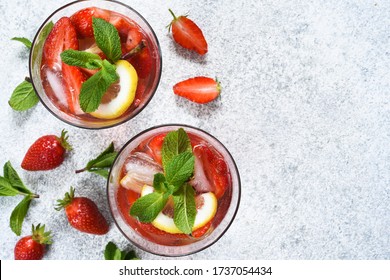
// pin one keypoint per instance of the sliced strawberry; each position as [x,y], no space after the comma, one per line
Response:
[134,37]
[82,20]
[215,169]
[198,89]
[201,231]
[142,62]
[187,34]
[126,29]
[73,79]
[63,36]
[155,147]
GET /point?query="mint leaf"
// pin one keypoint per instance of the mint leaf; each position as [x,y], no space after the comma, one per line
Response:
[109,71]
[146,208]
[131,255]
[24,41]
[180,169]
[102,163]
[13,178]
[46,30]
[159,183]
[81,59]
[6,188]
[175,142]
[41,40]
[93,89]
[107,38]
[23,97]
[102,172]
[184,208]
[18,215]
[112,252]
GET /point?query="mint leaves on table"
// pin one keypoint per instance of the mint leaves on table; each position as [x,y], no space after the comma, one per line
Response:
[108,40]
[112,252]
[12,185]
[102,163]
[24,41]
[178,164]
[23,97]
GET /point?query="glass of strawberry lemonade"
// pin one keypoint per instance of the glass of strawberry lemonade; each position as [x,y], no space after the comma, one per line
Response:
[173,190]
[95,63]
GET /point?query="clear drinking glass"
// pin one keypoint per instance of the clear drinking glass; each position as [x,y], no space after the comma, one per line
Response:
[141,152]
[147,84]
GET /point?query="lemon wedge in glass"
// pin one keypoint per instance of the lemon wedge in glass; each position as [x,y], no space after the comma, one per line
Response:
[206,207]
[119,95]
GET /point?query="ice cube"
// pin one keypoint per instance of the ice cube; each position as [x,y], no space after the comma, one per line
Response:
[140,170]
[200,182]
[55,81]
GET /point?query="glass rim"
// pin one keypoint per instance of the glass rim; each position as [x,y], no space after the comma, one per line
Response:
[235,169]
[81,125]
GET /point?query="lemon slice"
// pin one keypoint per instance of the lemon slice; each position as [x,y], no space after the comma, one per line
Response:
[204,214]
[121,95]
[206,211]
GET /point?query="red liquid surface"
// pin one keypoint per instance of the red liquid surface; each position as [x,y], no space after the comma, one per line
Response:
[218,181]
[131,34]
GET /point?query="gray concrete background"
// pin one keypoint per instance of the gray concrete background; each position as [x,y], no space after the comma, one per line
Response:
[304,111]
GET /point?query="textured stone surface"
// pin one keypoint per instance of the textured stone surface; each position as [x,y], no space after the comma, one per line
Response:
[304,111]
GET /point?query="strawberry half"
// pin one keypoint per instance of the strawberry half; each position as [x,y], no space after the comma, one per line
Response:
[46,153]
[215,169]
[187,34]
[73,79]
[82,20]
[155,147]
[32,247]
[63,36]
[198,89]
[83,214]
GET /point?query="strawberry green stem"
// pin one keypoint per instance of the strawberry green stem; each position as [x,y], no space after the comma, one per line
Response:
[64,140]
[174,17]
[134,51]
[62,203]
[40,235]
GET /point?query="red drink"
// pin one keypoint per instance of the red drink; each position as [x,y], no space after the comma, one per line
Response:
[58,84]
[215,174]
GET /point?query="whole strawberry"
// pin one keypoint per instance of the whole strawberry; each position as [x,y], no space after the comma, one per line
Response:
[32,247]
[187,34]
[83,214]
[46,153]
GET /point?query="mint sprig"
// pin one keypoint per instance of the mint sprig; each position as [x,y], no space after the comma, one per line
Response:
[81,59]
[112,252]
[12,185]
[178,165]
[102,163]
[108,40]
[24,96]
[93,89]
